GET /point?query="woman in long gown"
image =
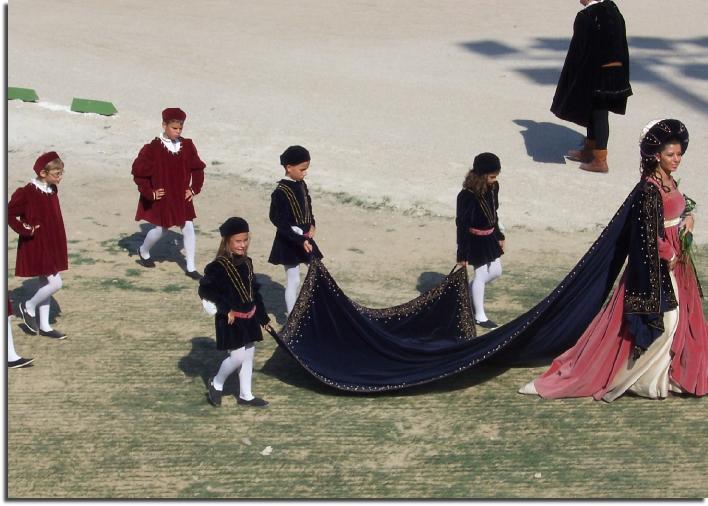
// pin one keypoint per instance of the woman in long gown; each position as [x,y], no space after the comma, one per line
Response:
[651,338]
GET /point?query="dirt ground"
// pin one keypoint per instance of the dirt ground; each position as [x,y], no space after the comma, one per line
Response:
[118,408]
[393,100]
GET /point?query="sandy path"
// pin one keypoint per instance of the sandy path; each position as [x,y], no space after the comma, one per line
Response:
[393,100]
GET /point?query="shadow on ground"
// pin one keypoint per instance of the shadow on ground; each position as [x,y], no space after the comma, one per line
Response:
[547,142]
[428,280]
[203,361]
[167,249]
[24,292]
[273,294]
[655,61]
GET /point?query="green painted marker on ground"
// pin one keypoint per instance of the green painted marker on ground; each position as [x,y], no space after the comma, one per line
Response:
[95,106]
[24,94]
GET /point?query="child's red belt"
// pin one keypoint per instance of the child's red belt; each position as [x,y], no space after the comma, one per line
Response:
[481,231]
[244,316]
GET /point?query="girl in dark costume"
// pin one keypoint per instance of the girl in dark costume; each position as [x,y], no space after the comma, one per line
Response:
[230,292]
[595,79]
[651,338]
[480,241]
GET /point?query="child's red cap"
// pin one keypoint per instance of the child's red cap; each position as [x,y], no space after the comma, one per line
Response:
[173,113]
[43,160]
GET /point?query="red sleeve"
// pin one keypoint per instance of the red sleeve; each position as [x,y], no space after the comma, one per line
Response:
[144,164]
[16,209]
[196,166]
[666,251]
[143,167]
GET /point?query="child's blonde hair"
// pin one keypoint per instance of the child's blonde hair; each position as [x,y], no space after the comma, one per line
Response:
[476,183]
[224,250]
[56,164]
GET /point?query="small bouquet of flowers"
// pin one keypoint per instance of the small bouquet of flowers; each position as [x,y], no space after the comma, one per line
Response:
[687,248]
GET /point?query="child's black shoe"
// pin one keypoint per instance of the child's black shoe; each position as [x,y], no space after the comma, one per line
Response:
[29,320]
[214,395]
[20,362]
[145,262]
[256,402]
[487,324]
[54,334]
[194,275]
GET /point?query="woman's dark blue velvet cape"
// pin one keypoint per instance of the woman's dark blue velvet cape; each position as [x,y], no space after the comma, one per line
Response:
[354,348]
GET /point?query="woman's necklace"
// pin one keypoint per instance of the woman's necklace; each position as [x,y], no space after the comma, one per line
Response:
[659,176]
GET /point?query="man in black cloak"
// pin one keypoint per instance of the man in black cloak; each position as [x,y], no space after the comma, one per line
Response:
[594,79]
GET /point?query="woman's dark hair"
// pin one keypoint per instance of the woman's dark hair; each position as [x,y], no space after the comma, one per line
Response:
[649,165]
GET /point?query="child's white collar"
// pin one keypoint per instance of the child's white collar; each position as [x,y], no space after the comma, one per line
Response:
[173,147]
[42,186]
[167,139]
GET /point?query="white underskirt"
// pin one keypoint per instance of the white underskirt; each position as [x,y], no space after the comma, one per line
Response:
[648,376]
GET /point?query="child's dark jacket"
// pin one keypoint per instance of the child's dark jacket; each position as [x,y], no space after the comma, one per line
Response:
[230,283]
[290,205]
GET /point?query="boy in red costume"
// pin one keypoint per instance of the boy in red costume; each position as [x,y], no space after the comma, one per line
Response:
[34,213]
[169,173]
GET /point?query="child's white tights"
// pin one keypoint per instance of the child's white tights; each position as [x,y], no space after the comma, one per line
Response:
[483,275]
[40,300]
[239,358]
[12,355]
[292,285]
[188,238]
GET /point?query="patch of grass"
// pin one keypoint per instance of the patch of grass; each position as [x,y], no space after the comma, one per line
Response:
[134,273]
[78,258]
[348,198]
[112,246]
[385,203]
[527,287]
[124,284]
[171,288]
[418,209]
[130,418]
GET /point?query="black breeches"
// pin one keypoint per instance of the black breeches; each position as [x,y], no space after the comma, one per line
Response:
[599,127]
